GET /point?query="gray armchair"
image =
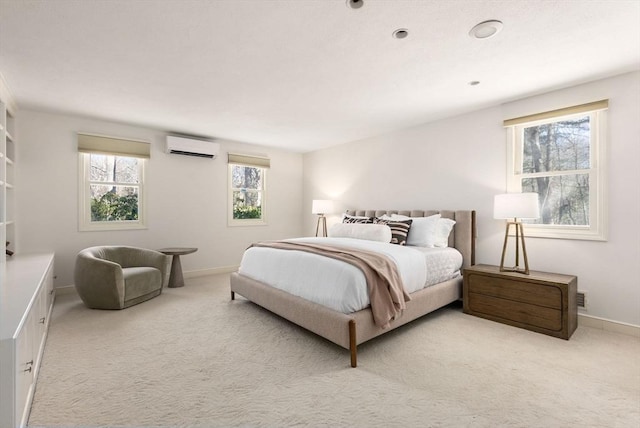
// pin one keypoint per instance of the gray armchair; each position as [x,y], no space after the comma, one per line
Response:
[116,277]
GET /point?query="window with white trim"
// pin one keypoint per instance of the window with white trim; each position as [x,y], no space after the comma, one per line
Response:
[111,177]
[247,190]
[560,155]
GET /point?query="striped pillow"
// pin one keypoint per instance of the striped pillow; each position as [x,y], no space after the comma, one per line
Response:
[354,219]
[399,229]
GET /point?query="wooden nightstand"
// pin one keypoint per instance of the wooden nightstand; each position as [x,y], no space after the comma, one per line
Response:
[541,302]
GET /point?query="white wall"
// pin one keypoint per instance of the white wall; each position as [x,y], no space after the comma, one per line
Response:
[460,163]
[186,196]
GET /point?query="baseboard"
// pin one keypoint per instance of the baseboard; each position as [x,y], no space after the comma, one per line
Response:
[608,325]
[65,289]
[211,271]
[68,289]
[586,320]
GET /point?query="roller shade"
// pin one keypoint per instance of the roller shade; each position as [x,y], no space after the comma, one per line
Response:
[88,143]
[249,160]
[582,108]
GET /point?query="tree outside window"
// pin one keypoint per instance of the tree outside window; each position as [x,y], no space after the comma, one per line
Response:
[247,194]
[111,192]
[556,165]
[114,188]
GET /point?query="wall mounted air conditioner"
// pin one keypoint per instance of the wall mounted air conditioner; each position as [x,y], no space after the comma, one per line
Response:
[192,147]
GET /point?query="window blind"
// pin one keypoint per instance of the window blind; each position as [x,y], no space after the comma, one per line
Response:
[582,108]
[249,160]
[88,143]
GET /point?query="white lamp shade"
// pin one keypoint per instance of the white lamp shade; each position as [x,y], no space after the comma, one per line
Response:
[516,205]
[321,206]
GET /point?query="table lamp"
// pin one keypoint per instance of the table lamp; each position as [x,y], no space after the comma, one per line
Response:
[321,207]
[516,206]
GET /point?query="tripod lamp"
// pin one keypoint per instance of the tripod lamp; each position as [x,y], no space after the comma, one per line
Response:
[321,207]
[516,206]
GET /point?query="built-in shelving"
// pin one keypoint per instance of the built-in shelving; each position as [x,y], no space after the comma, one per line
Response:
[7,169]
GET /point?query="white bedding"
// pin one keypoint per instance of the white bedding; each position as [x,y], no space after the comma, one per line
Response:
[341,286]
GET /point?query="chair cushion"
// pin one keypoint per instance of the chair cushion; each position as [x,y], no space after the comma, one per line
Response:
[139,281]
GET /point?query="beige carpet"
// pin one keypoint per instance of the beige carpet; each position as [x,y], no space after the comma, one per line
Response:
[191,357]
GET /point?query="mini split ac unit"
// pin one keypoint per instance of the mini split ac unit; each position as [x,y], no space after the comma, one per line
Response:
[192,147]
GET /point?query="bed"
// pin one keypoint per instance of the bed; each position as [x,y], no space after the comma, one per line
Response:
[349,330]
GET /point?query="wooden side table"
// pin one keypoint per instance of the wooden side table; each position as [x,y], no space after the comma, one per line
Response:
[176,278]
[542,302]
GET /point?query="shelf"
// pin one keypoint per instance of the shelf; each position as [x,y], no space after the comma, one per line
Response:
[9,161]
[9,137]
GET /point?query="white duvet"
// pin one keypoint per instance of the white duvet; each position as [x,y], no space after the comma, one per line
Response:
[339,285]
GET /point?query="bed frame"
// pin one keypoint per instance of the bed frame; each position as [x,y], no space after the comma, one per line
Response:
[350,330]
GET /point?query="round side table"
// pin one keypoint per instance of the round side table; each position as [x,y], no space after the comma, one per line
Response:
[175,278]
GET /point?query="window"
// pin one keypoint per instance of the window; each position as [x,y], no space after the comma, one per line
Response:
[247,189]
[560,156]
[111,183]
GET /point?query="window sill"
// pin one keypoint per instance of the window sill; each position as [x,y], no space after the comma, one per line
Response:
[111,226]
[551,232]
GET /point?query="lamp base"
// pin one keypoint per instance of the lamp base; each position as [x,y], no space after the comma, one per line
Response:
[519,243]
[322,226]
[514,269]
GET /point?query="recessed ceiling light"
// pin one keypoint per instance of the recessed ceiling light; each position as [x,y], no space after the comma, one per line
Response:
[486,29]
[401,33]
[355,4]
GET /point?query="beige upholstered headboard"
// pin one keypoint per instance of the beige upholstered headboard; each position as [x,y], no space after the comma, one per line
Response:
[463,235]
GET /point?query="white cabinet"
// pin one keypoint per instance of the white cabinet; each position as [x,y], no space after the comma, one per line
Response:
[26,301]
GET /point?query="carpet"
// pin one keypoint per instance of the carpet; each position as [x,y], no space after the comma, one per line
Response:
[193,358]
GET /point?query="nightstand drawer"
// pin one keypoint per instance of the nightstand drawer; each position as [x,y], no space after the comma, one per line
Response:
[525,313]
[519,291]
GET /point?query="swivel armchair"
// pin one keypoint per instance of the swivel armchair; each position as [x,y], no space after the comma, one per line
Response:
[116,277]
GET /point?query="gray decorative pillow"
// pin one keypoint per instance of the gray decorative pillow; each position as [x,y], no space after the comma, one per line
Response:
[399,229]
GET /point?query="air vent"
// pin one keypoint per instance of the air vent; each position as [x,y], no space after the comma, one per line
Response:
[200,155]
[582,299]
[179,145]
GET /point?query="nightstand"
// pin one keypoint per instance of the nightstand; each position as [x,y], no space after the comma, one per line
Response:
[541,302]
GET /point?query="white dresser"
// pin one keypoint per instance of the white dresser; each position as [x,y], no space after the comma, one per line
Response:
[26,301]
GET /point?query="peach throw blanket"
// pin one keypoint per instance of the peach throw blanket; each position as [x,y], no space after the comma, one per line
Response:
[386,292]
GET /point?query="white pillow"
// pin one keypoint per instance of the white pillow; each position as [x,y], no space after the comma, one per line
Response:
[443,229]
[423,230]
[369,232]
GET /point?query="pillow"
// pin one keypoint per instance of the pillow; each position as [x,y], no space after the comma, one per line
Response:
[369,232]
[423,230]
[399,229]
[443,229]
[356,219]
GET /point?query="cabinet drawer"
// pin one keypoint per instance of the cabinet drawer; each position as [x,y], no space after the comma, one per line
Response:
[519,312]
[519,291]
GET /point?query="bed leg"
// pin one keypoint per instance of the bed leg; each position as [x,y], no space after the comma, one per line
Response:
[352,343]
[233,295]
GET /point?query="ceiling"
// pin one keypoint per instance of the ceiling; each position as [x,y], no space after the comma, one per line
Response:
[302,74]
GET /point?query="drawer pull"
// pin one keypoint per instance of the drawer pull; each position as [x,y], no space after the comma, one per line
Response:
[42,320]
[27,370]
